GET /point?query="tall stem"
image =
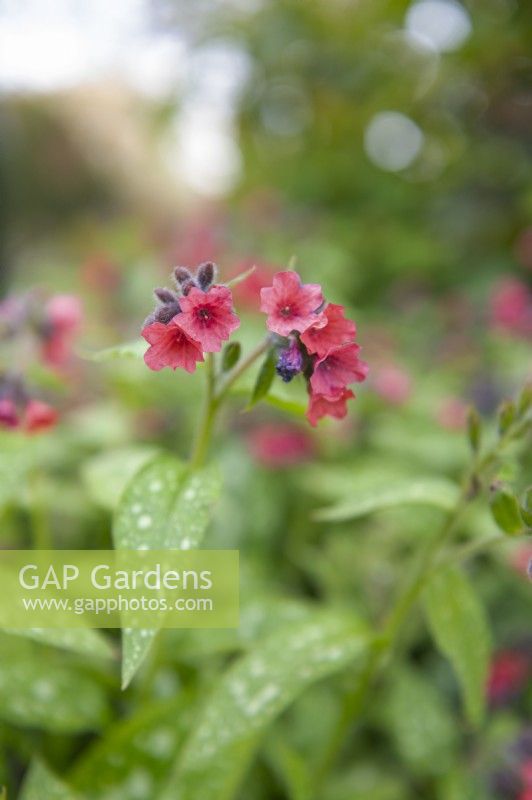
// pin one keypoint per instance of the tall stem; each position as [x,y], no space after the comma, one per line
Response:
[383,643]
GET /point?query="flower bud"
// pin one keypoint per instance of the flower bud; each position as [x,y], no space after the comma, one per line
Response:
[181,275]
[474,429]
[206,274]
[506,416]
[165,296]
[290,362]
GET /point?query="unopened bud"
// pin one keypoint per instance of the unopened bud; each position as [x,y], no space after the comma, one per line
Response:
[165,295]
[290,362]
[474,428]
[206,274]
[506,416]
[181,275]
[505,510]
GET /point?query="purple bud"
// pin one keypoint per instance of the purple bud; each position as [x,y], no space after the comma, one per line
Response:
[187,286]
[181,275]
[290,362]
[167,312]
[206,274]
[165,295]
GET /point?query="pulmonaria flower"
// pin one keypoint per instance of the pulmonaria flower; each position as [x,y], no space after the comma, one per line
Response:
[290,304]
[9,417]
[339,367]
[208,317]
[320,344]
[171,347]
[511,307]
[393,384]
[290,362]
[63,317]
[39,416]
[508,674]
[332,330]
[276,445]
[322,406]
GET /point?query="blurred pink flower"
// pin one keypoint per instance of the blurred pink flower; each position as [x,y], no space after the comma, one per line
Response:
[521,558]
[393,384]
[247,293]
[8,414]
[63,318]
[511,307]
[452,414]
[39,416]
[277,445]
[508,674]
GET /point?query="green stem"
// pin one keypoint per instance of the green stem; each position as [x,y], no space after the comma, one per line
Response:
[383,644]
[204,434]
[214,397]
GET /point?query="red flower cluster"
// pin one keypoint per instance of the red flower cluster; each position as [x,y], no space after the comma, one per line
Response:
[509,672]
[32,417]
[194,319]
[63,318]
[274,445]
[321,343]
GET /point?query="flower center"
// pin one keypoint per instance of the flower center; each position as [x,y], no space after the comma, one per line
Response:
[286,311]
[204,313]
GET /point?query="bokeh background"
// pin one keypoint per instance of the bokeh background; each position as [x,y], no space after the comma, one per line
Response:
[387,146]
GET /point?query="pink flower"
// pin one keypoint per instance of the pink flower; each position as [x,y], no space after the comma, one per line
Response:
[339,367]
[280,445]
[331,331]
[521,559]
[511,307]
[64,315]
[171,347]
[291,305]
[39,416]
[64,312]
[8,414]
[393,384]
[322,406]
[508,674]
[452,414]
[208,317]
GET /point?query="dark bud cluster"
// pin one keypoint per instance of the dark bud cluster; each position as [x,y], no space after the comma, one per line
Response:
[290,362]
[184,280]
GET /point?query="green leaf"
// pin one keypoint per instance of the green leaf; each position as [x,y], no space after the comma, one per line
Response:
[40,783]
[291,768]
[86,642]
[460,629]
[164,507]
[474,428]
[254,691]
[506,511]
[526,508]
[231,355]
[506,415]
[135,754]
[419,723]
[106,475]
[264,379]
[422,491]
[40,690]
[135,349]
